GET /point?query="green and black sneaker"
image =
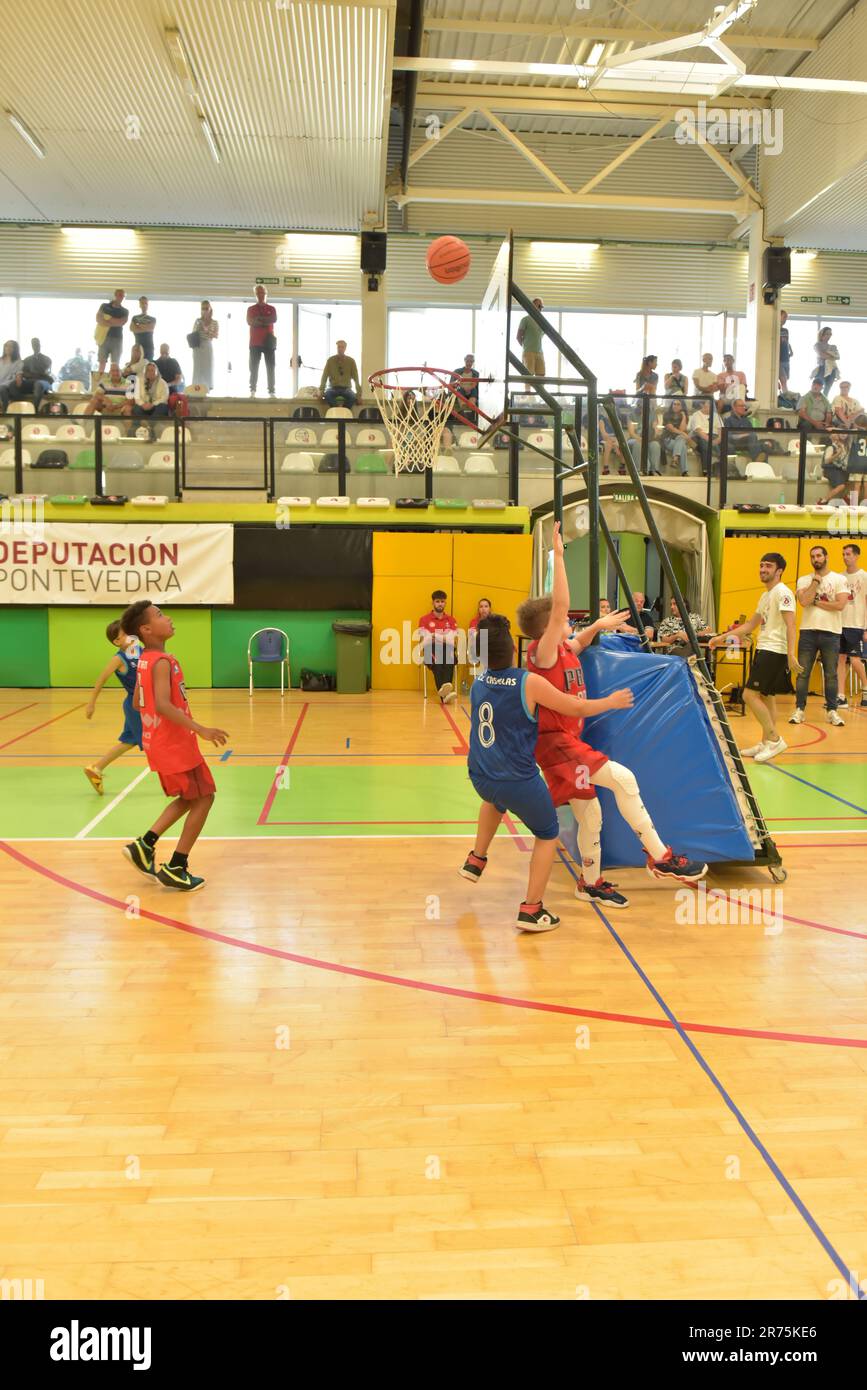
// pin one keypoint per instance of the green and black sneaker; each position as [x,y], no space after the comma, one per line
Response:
[174,876]
[142,856]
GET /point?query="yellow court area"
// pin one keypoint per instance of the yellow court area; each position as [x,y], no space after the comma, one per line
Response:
[339,1072]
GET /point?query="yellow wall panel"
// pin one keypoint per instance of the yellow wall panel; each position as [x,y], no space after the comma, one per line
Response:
[494,567]
[406,568]
[396,553]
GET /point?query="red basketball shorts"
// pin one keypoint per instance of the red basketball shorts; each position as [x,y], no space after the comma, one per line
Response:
[567,765]
[190,784]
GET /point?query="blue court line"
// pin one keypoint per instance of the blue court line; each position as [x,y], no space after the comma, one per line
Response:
[802,1209]
[816,788]
[224,756]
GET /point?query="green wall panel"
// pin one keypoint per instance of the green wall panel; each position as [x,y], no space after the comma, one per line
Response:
[311,643]
[24,647]
[79,648]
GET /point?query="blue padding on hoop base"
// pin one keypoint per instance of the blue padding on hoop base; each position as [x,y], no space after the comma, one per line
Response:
[667,741]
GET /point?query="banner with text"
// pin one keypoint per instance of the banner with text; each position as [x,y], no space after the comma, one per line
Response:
[94,564]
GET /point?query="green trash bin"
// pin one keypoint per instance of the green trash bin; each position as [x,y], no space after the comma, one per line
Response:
[353,657]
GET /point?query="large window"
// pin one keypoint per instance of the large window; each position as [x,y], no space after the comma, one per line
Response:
[674,335]
[432,338]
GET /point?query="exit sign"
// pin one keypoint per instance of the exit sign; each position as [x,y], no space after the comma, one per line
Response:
[838,299]
[267,279]
[811,299]
[291,279]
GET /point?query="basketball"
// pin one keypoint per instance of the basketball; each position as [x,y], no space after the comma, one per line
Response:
[448,259]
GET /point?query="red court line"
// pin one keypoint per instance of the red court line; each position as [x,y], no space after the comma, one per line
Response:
[18,711]
[463,746]
[37,727]
[813,820]
[510,1001]
[370,822]
[272,791]
[830,844]
[799,921]
[821,734]
[520,843]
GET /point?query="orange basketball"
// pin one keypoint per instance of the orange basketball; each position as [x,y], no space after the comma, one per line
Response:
[448,259]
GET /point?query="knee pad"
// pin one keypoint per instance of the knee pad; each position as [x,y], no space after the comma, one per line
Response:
[588,813]
[624,779]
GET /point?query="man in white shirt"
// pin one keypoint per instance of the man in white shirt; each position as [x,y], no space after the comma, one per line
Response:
[854,623]
[704,377]
[698,427]
[775,655]
[823,595]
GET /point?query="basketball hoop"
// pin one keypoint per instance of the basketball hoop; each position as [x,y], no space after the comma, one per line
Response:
[415,403]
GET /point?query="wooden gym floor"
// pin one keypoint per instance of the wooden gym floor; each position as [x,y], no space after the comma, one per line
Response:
[338,1072]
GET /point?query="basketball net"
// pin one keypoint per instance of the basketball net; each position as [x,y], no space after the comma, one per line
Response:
[415,403]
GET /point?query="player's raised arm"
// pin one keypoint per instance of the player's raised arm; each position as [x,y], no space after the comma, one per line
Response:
[539,691]
[546,650]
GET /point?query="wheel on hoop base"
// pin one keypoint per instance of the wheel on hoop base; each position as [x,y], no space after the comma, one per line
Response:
[777,873]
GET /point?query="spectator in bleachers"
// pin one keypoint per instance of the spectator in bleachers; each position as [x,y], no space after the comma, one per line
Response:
[844,406]
[110,319]
[151,395]
[76,368]
[31,379]
[466,379]
[743,440]
[483,610]
[647,374]
[672,632]
[654,448]
[338,376]
[135,366]
[207,328]
[786,353]
[676,383]
[110,394]
[731,384]
[261,318]
[608,439]
[675,435]
[814,409]
[143,325]
[827,369]
[437,630]
[10,366]
[698,429]
[529,336]
[704,377]
[169,369]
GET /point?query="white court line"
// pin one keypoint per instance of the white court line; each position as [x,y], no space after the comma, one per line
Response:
[111,805]
[229,839]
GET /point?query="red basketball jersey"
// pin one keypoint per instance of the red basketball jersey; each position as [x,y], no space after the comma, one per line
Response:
[168,747]
[566,675]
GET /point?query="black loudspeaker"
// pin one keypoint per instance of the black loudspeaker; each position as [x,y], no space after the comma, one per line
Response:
[777,266]
[373,250]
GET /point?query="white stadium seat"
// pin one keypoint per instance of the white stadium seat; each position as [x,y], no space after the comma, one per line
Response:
[168,435]
[71,431]
[444,463]
[338,412]
[302,434]
[298,462]
[468,439]
[7,458]
[480,463]
[161,461]
[21,408]
[35,429]
[372,438]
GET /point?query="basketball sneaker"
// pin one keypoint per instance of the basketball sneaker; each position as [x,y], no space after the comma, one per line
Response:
[474,866]
[833,718]
[771,750]
[676,866]
[142,856]
[798,717]
[752,752]
[94,777]
[179,878]
[600,892]
[447,693]
[842,702]
[536,917]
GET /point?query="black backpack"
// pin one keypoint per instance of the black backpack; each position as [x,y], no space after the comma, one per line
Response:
[413,502]
[317,681]
[52,458]
[53,408]
[306,412]
[330,463]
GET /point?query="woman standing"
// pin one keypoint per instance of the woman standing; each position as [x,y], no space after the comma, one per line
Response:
[675,380]
[206,328]
[646,374]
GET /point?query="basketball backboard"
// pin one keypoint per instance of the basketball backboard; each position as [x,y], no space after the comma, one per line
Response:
[492,334]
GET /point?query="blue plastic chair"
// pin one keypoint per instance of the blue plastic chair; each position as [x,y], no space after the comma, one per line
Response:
[267,645]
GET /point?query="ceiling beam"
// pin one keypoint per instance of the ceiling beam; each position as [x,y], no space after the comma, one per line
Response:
[538,164]
[627,153]
[447,96]
[430,141]
[594,33]
[736,175]
[734,207]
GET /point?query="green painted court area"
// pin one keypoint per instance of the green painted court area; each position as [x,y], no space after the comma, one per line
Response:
[348,798]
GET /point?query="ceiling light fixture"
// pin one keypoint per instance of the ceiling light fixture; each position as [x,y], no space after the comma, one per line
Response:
[212,143]
[595,54]
[26,134]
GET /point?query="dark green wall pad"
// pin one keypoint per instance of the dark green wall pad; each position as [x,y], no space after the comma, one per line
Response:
[311,643]
[24,646]
[308,567]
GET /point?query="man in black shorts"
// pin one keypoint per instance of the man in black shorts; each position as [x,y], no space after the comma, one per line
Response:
[775,655]
[857,464]
[854,623]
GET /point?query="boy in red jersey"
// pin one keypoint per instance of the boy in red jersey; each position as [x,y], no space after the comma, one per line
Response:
[572,769]
[169,742]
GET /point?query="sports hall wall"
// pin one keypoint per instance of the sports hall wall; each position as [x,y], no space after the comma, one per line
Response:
[217,263]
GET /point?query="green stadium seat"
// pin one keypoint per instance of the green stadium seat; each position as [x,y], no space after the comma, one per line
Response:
[371,463]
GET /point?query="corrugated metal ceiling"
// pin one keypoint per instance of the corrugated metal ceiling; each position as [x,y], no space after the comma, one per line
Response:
[296,94]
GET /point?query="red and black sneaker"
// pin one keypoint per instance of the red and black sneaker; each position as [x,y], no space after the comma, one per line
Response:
[536,917]
[474,866]
[601,892]
[676,866]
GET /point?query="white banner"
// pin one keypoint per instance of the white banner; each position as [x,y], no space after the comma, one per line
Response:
[83,563]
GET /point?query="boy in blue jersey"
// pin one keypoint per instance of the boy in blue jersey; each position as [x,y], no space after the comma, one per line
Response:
[124,665]
[502,762]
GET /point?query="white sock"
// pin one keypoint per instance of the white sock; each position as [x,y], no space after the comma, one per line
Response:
[619,780]
[588,818]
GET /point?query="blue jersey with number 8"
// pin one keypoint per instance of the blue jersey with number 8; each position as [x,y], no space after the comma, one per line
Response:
[503,733]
